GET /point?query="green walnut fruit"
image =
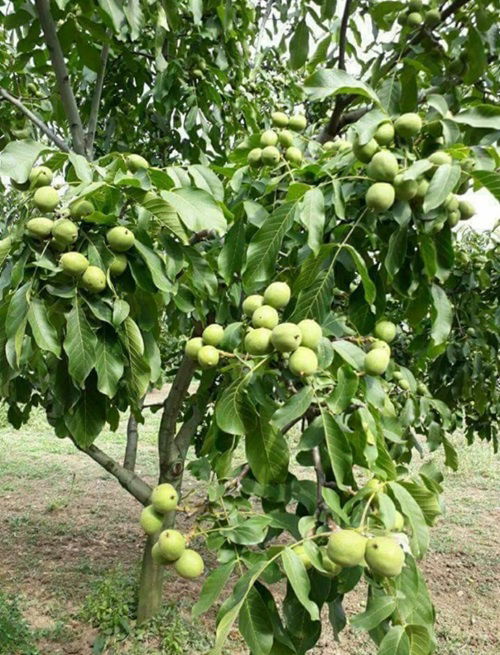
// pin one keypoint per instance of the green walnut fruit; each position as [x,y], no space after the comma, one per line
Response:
[40,176]
[135,163]
[193,347]
[293,155]
[300,551]
[330,146]
[414,19]
[405,189]
[65,231]
[279,119]
[439,158]
[466,209]
[397,375]
[190,565]
[380,196]
[258,341]
[268,138]
[311,333]
[384,556]
[377,361]
[432,17]
[285,138]
[270,155]
[120,239]
[251,303]
[297,123]
[118,265]
[94,280]
[453,218]
[399,522]
[81,208]
[208,356]
[46,198]
[384,134]
[415,5]
[74,263]
[366,151]
[451,203]
[343,145]
[423,389]
[385,330]
[303,362]
[171,544]
[164,498]
[286,337]
[157,556]
[378,343]
[422,188]
[408,125]
[265,316]
[213,334]
[331,567]
[383,166]
[404,384]
[374,486]
[277,295]
[151,520]
[254,157]
[40,228]
[346,548]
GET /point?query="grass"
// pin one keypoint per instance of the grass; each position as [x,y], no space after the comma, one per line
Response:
[71,543]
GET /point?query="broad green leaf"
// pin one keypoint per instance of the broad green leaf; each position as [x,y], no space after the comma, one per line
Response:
[108,364]
[333,502]
[379,608]
[395,642]
[427,249]
[212,588]
[155,265]
[480,116]
[18,309]
[330,82]
[299,45]
[249,532]
[264,247]
[82,167]
[197,209]
[420,640]
[297,575]
[5,248]
[443,182]
[137,372]
[345,389]
[294,408]
[86,419]
[441,314]
[396,252]
[367,124]
[204,178]
[489,180]
[18,157]
[255,624]
[266,449]
[44,333]
[230,407]
[350,353]
[79,344]
[339,450]
[409,507]
[166,215]
[360,264]
[417,169]
[231,256]
[312,216]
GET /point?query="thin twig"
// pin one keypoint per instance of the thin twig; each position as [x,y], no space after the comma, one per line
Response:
[60,143]
[62,75]
[96,101]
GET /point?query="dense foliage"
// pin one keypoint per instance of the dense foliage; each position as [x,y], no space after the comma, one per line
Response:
[107,263]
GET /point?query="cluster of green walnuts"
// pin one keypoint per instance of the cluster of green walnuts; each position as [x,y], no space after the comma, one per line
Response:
[265,334]
[269,154]
[170,545]
[417,14]
[59,229]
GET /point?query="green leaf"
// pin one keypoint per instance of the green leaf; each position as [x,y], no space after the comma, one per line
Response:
[79,344]
[409,507]
[18,310]
[204,178]
[339,450]
[396,251]
[196,209]
[295,407]
[395,642]
[379,608]
[312,216]
[44,333]
[331,82]
[333,502]
[477,60]
[368,286]
[5,248]
[86,419]
[417,169]
[297,575]
[229,408]
[427,249]
[108,364]
[18,157]
[138,372]
[249,532]
[231,256]
[420,640]
[441,315]
[265,245]
[266,449]
[255,624]
[82,167]
[481,116]
[443,182]
[166,215]
[155,266]
[212,588]
[345,390]
[489,180]
[350,353]
[299,46]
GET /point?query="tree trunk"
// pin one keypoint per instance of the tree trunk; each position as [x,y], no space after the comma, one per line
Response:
[150,585]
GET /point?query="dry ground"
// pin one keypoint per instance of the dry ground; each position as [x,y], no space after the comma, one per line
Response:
[66,528]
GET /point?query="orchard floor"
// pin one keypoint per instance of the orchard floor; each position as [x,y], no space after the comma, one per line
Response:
[69,541]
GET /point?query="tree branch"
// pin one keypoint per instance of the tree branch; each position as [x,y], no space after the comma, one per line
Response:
[128,479]
[60,143]
[62,76]
[96,101]
[343,34]
[132,439]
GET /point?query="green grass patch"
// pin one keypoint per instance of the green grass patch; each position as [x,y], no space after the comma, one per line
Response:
[16,638]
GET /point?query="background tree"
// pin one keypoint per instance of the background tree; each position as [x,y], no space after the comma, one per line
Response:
[175,82]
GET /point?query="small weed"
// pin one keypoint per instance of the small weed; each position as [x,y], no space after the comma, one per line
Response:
[16,636]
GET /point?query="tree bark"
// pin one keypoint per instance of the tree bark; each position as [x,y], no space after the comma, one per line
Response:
[96,100]
[130,458]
